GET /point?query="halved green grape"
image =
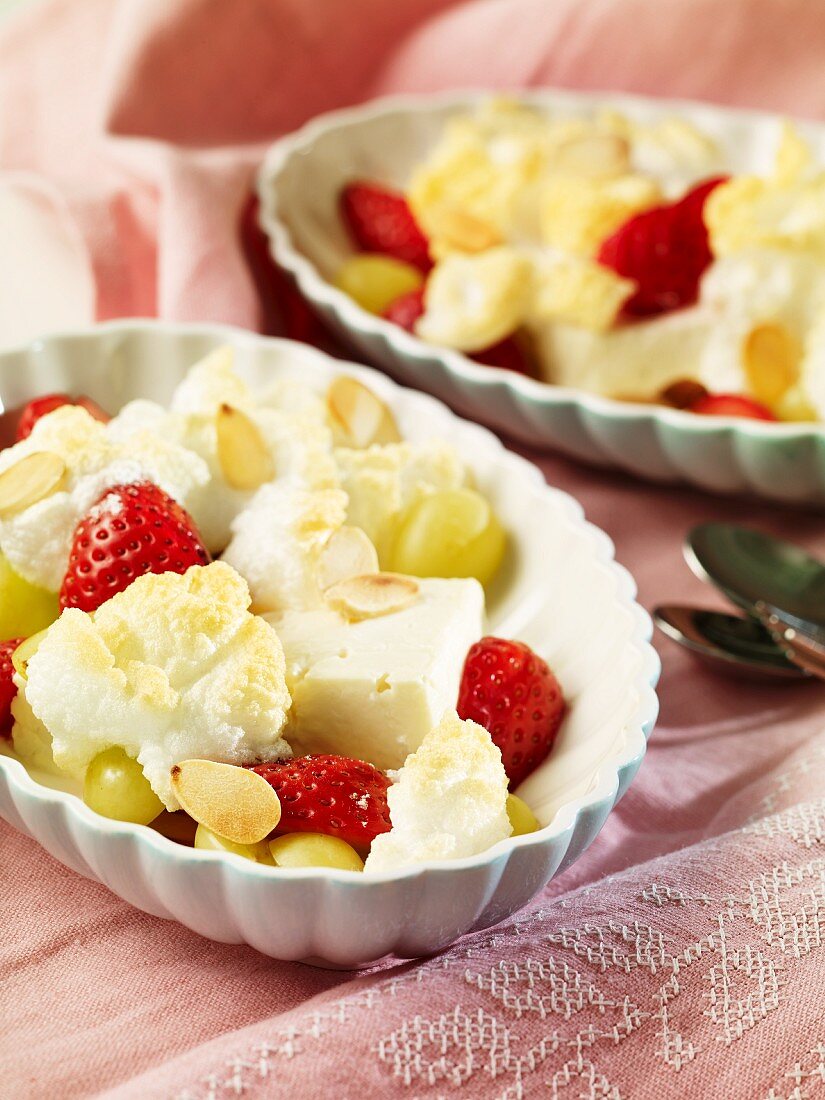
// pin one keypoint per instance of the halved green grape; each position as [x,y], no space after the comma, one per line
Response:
[116,787]
[521,816]
[24,608]
[208,841]
[314,850]
[375,281]
[795,406]
[25,651]
[449,533]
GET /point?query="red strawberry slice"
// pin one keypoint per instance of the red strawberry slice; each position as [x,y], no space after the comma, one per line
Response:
[510,690]
[731,404]
[406,310]
[330,794]
[665,250]
[380,220]
[133,529]
[42,406]
[8,689]
[507,353]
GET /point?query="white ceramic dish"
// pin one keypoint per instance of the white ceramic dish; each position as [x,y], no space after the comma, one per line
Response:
[298,186]
[561,592]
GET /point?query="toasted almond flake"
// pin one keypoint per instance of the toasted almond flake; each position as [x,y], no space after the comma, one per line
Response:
[372,595]
[683,393]
[30,480]
[359,417]
[459,229]
[244,456]
[594,155]
[25,651]
[771,356]
[177,826]
[235,803]
[349,552]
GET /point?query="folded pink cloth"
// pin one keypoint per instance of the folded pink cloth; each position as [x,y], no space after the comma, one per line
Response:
[683,955]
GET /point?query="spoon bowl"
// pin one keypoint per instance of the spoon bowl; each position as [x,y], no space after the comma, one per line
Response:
[760,573]
[730,643]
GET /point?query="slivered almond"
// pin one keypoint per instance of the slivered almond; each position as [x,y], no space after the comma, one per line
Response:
[176,826]
[595,155]
[236,803]
[461,230]
[349,552]
[771,355]
[244,456]
[31,479]
[25,651]
[683,393]
[359,418]
[372,595]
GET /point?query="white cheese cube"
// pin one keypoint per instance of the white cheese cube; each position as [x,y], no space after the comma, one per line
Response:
[374,689]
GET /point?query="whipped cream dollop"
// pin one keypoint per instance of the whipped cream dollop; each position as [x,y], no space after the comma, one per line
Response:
[37,540]
[449,799]
[173,667]
[289,419]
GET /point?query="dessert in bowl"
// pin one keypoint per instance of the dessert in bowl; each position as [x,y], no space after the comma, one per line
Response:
[268,671]
[635,282]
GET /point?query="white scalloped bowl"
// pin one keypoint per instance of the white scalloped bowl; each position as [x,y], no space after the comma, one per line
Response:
[560,591]
[298,187]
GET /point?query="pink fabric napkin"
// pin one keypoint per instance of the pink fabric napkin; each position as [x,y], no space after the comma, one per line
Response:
[683,955]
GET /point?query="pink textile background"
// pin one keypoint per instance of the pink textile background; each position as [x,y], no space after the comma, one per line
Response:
[683,955]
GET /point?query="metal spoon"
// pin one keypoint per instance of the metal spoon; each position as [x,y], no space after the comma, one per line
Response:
[799,646]
[761,574]
[731,643]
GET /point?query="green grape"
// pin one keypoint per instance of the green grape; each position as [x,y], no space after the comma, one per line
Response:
[449,533]
[208,841]
[375,281]
[521,816]
[116,787]
[314,850]
[24,608]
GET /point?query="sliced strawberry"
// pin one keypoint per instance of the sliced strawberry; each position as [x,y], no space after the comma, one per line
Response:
[506,354]
[510,690]
[665,251]
[42,406]
[8,689]
[133,529]
[380,220]
[330,794]
[731,404]
[406,310]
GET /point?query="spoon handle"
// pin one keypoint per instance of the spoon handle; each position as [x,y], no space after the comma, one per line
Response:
[799,646]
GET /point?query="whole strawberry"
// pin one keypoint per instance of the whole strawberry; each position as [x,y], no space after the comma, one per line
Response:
[380,220]
[510,690]
[133,529]
[665,250]
[330,794]
[42,406]
[8,689]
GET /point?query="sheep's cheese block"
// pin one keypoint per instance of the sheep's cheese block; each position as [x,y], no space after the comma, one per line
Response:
[374,689]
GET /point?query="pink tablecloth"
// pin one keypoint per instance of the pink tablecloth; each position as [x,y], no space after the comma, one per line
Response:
[683,955]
